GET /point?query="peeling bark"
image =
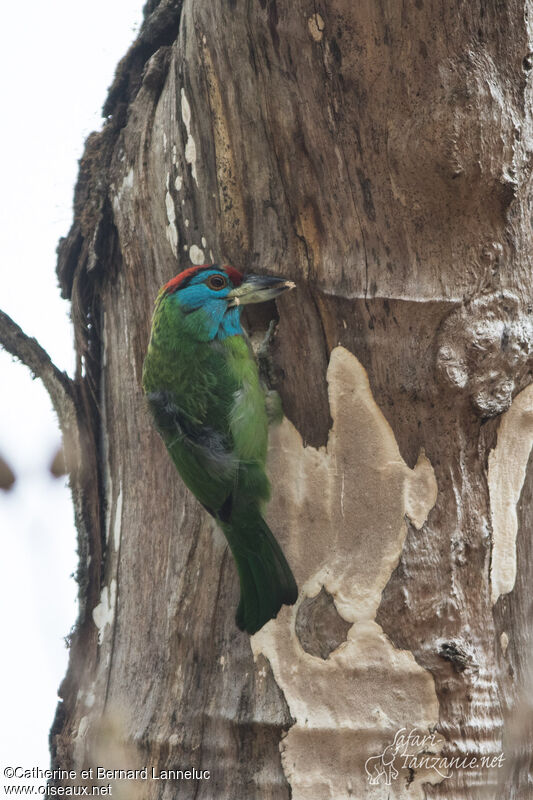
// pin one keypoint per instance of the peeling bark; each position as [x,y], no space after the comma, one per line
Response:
[379,155]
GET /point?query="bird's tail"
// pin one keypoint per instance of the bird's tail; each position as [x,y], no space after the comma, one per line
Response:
[266,579]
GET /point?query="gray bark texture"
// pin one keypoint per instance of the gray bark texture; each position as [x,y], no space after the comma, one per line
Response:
[378,154]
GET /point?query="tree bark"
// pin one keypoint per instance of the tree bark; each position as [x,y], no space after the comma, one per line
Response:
[378,154]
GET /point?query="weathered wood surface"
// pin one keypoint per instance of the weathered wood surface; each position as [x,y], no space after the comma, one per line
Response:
[379,154]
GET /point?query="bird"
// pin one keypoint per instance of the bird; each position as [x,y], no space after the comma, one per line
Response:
[203,390]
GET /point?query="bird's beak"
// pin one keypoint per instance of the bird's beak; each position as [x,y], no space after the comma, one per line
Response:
[257,289]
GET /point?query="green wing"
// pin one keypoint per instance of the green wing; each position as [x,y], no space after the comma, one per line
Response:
[203,456]
[209,407]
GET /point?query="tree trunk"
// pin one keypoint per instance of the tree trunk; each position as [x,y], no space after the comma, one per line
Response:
[379,154]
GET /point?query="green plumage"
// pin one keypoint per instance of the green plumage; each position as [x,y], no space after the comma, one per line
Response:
[208,405]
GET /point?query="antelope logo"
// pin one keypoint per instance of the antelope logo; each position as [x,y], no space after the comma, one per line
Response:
[382,766]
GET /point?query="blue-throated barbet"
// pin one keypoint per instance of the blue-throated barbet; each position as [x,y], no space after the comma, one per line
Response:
[203,389]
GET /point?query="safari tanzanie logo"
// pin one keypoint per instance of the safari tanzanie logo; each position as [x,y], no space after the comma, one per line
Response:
[415,750]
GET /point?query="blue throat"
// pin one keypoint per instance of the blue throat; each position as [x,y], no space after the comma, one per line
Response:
[212,320]
[230,324]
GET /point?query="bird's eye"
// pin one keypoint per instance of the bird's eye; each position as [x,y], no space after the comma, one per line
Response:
[217,282]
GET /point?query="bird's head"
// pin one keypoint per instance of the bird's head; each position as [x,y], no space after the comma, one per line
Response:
[209,298]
